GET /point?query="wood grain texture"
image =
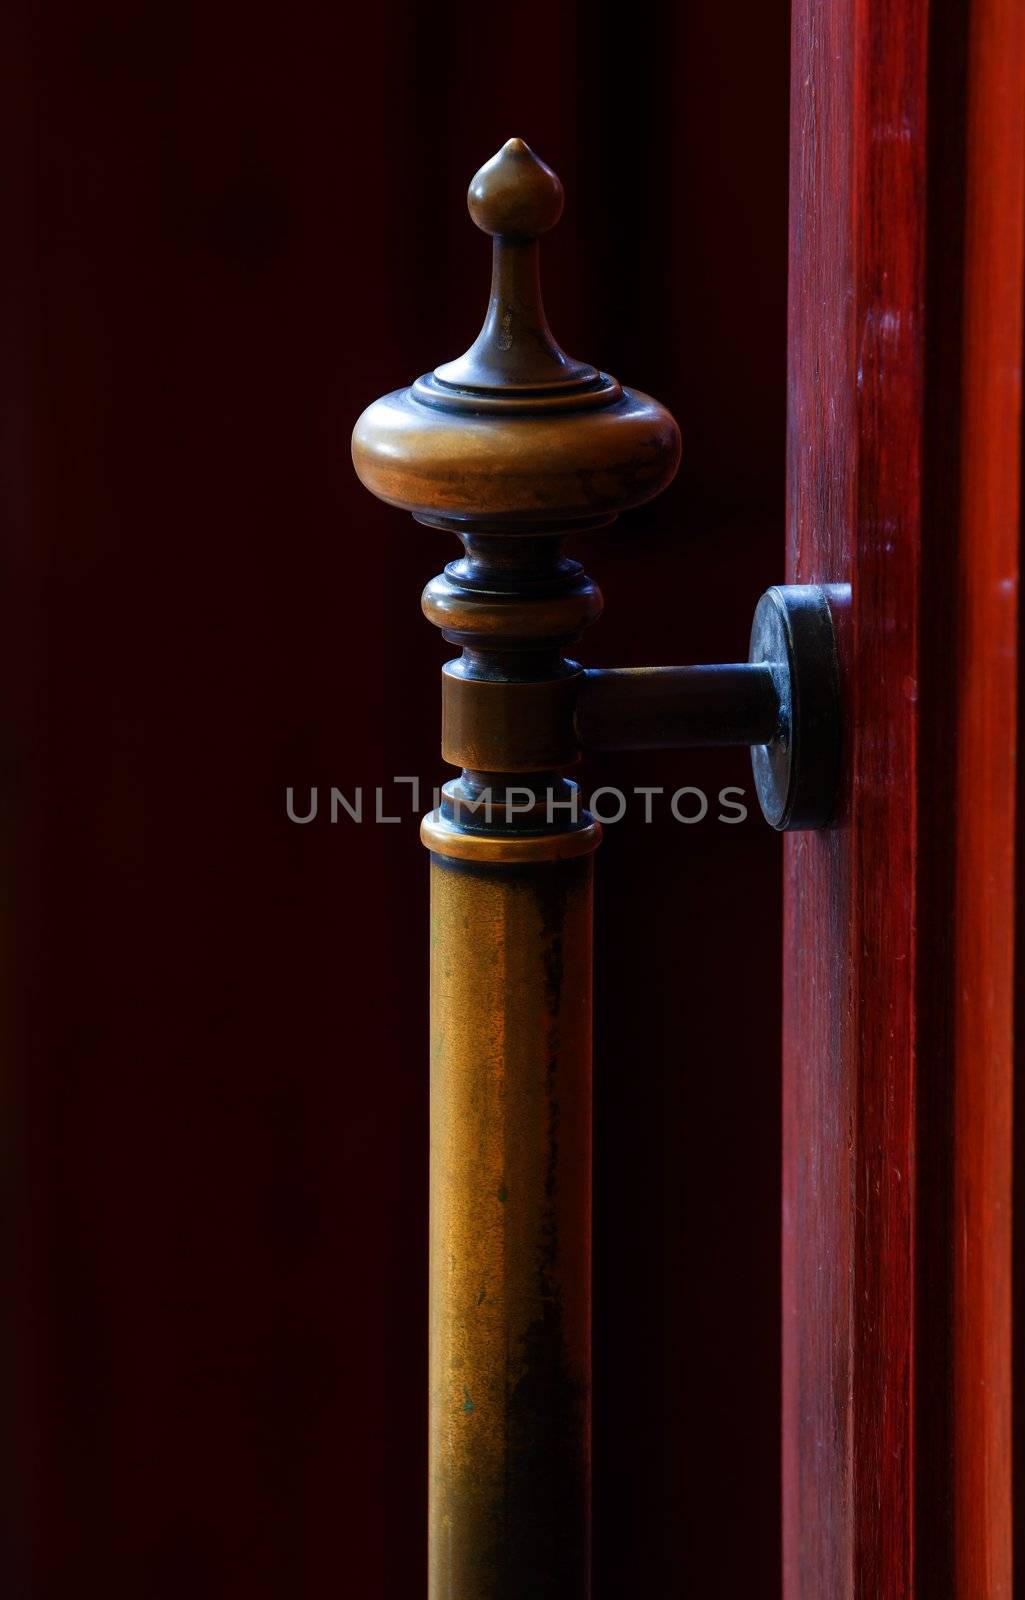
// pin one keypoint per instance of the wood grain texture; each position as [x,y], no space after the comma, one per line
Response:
[986,715]
[903,346]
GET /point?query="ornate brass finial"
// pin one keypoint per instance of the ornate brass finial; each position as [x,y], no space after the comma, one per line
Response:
[515,198]
[515,430]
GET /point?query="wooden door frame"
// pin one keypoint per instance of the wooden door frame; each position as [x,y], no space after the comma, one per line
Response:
[904,451]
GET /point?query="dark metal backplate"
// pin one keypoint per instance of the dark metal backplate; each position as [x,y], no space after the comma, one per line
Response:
[797,774]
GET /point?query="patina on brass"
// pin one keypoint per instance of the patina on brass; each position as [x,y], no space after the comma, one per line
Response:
[512,447]
[515,435]
[510,1220]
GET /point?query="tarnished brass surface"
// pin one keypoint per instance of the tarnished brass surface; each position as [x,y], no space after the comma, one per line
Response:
[446,840]
[495,725]
[493,616]
[648,708]
[425,459]
[510,1231]
[512,447]
[515,430]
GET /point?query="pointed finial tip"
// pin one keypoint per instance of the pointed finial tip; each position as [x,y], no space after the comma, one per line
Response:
[515,194]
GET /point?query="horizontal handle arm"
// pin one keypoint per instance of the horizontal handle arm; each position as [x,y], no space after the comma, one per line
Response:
[659,708]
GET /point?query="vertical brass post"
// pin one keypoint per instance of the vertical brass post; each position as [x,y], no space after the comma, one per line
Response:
[512,447]
[510,1225]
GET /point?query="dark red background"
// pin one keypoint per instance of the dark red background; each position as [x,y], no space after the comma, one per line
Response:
[230,230]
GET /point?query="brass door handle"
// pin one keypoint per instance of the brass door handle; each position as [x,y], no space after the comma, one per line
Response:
[513,447]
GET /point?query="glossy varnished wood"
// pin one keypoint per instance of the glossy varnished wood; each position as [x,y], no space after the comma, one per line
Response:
[903,450]
[847,1095]
[986,710]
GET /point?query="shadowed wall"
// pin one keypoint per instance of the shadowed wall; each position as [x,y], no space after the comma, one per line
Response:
[229,231]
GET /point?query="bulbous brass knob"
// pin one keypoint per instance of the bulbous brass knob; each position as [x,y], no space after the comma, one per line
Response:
[515,431]
[515,195]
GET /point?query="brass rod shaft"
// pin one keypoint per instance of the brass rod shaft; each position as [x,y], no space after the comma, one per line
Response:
[510,1220]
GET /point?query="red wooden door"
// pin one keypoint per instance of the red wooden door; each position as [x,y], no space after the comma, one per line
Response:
[904,448]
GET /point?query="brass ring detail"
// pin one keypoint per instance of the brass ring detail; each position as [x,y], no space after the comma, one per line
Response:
[443,838]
